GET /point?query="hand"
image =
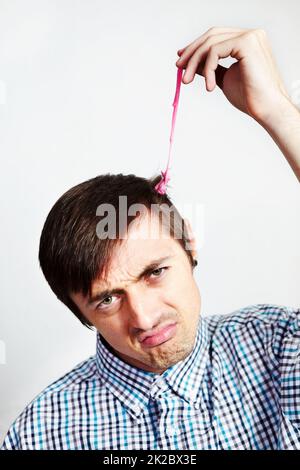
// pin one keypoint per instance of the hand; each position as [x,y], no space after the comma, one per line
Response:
[252,84]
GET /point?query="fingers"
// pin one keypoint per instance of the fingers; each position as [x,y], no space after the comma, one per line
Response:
[198,60]
[193,57]
[217,52]
[219,73]
[187,51]
[210,32]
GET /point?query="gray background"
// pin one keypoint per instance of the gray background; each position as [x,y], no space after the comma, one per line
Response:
[86,87]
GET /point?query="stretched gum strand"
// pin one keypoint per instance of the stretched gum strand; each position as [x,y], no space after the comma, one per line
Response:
[161,187]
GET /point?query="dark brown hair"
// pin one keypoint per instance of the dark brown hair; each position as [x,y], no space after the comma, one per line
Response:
[71,254]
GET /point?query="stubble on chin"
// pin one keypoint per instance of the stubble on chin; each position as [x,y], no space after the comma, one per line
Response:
[178,349]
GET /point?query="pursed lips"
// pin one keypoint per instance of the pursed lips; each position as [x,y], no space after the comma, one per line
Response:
[143,336]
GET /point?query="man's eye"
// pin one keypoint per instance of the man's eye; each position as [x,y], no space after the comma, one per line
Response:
[107,302]
[158,272]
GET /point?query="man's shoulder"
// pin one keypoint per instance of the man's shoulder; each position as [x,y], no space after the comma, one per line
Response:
[51,402]
[263,315]
[84,372]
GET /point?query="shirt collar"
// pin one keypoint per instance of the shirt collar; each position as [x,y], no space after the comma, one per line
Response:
[134,386]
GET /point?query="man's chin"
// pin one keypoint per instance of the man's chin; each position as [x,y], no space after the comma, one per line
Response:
[158,358]
[171,355]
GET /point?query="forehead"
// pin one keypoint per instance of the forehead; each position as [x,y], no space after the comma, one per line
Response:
[145,242]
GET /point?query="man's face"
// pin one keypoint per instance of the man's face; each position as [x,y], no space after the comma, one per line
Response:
[141,305]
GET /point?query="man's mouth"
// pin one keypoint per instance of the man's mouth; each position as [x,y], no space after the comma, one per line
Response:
[160,336]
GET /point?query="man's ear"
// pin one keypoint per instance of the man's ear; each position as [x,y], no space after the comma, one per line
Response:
[190,239]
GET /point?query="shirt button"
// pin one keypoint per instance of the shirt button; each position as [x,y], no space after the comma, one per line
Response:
[136,409]
[159,383]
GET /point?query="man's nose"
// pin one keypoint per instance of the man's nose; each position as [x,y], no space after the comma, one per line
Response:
[143,308]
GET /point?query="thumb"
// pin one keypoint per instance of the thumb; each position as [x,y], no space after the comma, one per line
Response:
[220,72]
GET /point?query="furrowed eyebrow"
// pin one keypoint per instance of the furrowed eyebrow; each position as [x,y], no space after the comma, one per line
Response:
[107,292]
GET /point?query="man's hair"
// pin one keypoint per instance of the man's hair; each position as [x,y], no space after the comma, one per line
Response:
[71,254]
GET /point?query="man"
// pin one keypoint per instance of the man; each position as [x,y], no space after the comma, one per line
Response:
[164,377]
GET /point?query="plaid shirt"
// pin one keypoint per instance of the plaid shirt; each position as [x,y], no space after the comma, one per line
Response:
[238,389]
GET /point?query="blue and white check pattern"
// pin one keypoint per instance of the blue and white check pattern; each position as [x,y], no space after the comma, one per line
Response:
[238,389]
